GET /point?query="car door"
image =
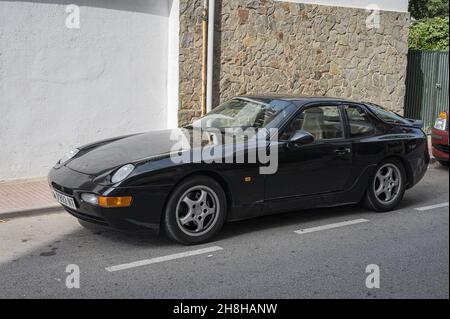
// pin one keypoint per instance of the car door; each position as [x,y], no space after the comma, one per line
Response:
[321,167]
[361,132]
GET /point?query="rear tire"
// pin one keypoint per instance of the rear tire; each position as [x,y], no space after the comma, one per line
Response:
[387,186]
[195,211]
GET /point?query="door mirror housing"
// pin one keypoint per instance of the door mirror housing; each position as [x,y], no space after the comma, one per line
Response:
[417,123]
[301,138]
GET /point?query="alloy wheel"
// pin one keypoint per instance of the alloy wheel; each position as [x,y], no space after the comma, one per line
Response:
[197,210]
[387,184]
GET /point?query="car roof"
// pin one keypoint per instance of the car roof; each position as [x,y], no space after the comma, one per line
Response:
[300,99]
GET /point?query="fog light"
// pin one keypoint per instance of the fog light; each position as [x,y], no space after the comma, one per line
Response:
[89,198]
[111,202]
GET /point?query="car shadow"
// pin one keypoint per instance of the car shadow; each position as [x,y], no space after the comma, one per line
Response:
[230,229]
[141,239]
[258,224]
[294,219]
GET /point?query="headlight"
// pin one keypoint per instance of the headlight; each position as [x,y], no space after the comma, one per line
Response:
[90,198]
[441,122]
[68,157]
[122,173]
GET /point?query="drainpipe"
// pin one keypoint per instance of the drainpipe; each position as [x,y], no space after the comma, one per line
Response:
[210,60]
[204,56]
[208,55]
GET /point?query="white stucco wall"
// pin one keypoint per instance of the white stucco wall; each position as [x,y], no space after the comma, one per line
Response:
[387,5]
[61,88]
[173,66]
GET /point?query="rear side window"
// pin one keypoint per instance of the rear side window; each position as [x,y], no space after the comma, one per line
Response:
[358,121]
[387,116]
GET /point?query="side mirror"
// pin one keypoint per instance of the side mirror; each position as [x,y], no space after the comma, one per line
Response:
[301,138]
[416,123]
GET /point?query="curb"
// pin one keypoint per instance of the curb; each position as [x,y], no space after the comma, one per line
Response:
[27,212]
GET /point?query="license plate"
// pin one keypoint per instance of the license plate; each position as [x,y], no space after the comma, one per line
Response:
[64,200]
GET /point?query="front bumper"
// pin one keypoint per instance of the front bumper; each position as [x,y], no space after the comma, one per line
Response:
[440,145]
[144,214]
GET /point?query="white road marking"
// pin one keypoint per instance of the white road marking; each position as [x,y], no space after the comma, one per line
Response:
[330,226]
[422,209]
[163,258]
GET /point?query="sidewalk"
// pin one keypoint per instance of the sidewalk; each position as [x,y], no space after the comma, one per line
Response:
[26,197]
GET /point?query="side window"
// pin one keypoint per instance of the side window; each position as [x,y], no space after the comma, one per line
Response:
[359,123]
[323,122]
[387,116]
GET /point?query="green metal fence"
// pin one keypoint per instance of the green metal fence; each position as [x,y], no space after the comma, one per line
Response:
[426,86]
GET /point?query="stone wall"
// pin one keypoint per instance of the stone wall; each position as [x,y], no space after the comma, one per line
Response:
[265,47]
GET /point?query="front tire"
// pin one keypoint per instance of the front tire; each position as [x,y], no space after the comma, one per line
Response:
[387,186]
[195,211]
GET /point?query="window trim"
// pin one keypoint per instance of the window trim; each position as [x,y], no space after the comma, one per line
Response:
[347,121]
[368,107]
[338,105]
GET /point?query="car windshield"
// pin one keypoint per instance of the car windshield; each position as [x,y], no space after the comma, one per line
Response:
[243,113]
[386,115]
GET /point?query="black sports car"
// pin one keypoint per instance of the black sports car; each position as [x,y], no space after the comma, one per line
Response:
[325,152]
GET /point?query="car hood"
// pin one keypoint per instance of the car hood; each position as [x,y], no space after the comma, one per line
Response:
[94,160]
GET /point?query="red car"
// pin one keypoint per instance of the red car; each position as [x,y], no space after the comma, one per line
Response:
[439,138]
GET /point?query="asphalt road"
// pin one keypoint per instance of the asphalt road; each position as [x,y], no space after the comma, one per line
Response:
[260,258]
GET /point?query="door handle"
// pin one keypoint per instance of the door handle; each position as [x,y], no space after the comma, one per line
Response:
[343,151]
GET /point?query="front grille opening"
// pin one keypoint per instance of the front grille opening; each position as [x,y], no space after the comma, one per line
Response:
[62,189]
